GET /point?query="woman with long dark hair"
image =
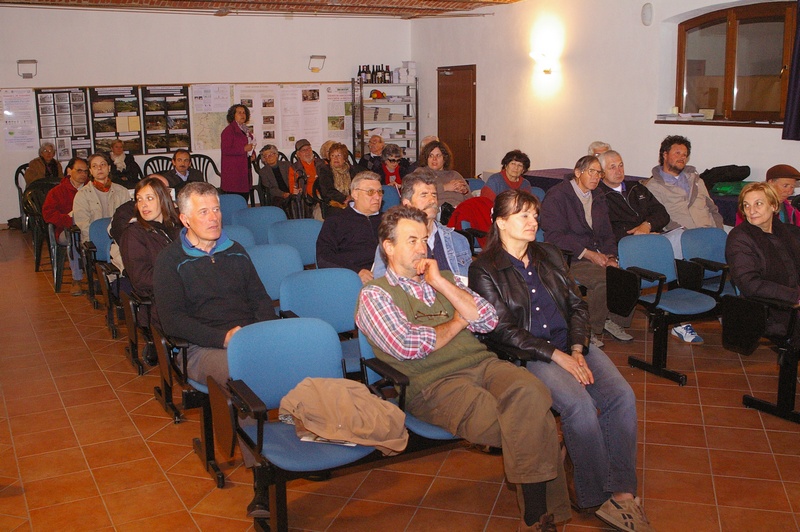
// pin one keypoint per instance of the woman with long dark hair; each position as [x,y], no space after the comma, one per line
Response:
[544,321]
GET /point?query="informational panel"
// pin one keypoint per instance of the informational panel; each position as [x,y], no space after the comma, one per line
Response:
[64,121]
[116,114]
[282,114]
[210,105]
[166,118]
[18,109]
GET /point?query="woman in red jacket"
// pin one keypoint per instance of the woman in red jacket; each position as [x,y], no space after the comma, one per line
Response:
[237,145]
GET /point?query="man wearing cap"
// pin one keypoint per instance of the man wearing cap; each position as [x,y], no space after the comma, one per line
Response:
[783,179]
[182,171]
[305,167]
[373,160]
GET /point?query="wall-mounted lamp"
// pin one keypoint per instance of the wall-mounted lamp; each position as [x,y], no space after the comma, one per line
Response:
[27,68]
[545,65]
[647,14]
[316,63]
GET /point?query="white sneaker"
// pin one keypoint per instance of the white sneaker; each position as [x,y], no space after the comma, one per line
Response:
[596,341]
[617,331]
[687,334]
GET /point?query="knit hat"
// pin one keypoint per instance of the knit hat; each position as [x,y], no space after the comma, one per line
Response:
[782,170]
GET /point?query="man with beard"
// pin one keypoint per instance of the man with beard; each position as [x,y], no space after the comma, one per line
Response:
[678,187]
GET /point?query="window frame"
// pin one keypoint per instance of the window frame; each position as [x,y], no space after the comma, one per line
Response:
[732,16]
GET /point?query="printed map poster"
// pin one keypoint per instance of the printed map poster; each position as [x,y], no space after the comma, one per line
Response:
[116,113]
[19,120]
[63,117]
[166,118]
[209,108]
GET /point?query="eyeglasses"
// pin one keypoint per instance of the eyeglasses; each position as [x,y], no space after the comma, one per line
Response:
[392,160]
[48,151]
[595,172]
[80,171]
[371,191]
[441,314]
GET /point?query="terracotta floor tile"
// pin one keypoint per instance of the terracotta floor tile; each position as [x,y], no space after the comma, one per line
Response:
[789,466]
[149,425]
[8,522]
[472,464]
[674,434]
[86,396]
[102,431]
[39,422]
[168,454]
[782,425]
[33,405]
[462,495]
[755,520]
[81,381]
[742,464]
[684,487]
[734,439]
[106,411]
[58,490]
[394,487]
[86,514]
[751,493]
[669,393]
[362,516]
[425,465]
[29,387]
[131,400]
[720,397]
[177,521]
[52,464]
[180,433]
[784,442]
[12,500]
[427,519]
[731,417]
[677,458]
[127,475]
[671,515]
[191,490]
[151,500]
[220,524]
[673,413]
[115,452]
[793,491]
[723,380]
[506,504]
[342,486]
[231,502]
[45,441]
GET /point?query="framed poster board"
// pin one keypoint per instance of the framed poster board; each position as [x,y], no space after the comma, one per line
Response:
[63,117]
[166,118]
[116,113]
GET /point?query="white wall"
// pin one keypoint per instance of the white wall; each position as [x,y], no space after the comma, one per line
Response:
[89,48]
[615,74]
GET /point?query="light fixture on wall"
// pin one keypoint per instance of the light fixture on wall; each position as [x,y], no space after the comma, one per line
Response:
[544,64]
[27,68]
[647,14]
[316,63]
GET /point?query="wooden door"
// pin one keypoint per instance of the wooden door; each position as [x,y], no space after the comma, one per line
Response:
[456,113]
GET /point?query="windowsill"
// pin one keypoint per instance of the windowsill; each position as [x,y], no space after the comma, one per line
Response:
[724,123]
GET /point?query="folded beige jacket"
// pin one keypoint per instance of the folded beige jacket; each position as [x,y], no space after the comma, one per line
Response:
[345,410]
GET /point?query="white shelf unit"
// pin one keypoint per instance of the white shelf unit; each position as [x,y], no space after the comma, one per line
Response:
[397,113]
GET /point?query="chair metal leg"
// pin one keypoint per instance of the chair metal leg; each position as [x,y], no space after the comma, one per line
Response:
[38,241]
[163,393]
[784,407]
[133,333]
[659,364]
[204,445]
[279,510]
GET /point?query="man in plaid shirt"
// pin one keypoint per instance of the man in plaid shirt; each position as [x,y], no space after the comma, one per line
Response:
[418,320]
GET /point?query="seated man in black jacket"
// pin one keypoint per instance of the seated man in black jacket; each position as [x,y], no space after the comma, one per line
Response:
[348,237]
[182,171]
[205,286]
[632,209]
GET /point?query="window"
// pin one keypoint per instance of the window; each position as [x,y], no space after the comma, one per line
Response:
[735,61]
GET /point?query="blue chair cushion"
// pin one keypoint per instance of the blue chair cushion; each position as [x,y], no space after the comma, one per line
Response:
[197,386]
[426,430]
[682,301]
[284,449]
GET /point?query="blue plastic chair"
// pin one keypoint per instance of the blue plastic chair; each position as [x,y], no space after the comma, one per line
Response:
[258,220]
[475,184]
[391,197]
[706,246]
[240,234]
[647,261]
[274,262]
[538,192]
[329,294]
[230,204]
[301,234]
[417,426]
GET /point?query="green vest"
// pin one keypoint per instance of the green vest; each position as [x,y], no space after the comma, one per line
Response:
[463,351]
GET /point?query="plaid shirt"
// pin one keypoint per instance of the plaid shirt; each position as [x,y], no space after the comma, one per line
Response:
[384,323]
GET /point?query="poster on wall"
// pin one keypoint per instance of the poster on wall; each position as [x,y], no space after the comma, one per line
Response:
[18,108]
[64,121]
[115,114]
[265,122]
[166,118]
[210,103]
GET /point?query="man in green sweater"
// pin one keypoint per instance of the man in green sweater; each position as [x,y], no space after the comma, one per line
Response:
[420,321]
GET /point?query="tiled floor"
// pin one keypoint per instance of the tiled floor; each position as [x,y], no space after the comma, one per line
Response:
[84,446]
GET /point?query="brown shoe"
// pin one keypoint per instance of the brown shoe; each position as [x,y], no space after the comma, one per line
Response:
[76,289]
[544,524]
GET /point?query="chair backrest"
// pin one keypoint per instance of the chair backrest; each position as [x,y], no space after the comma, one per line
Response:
[538,192]
[475,184]
[258,220]
[651,252]
[19,178]
[298,348]
[704,243]
[293,156]
[329,294]
[229,204]
[391,197]
[301,234]
[240,234]
[98,234]
[204,163]
[274,262]
[157,165]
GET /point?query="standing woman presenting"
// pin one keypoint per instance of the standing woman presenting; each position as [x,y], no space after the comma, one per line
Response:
[237,146]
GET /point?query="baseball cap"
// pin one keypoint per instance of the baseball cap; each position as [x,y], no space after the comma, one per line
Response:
[300,144]
[782,170]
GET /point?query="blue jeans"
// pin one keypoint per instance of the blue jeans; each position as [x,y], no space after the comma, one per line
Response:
[602,446]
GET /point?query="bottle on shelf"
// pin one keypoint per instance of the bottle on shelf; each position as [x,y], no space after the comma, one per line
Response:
[367,74]
[387,75]
[361,74]
[378,74]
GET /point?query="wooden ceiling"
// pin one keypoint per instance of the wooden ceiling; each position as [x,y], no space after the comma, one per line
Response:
[406,9]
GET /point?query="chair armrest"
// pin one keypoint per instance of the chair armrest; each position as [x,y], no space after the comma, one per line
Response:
[389,377]
[249,404]
[287,314]
[623,288]
[139,300]
[690,274]
[775,303]
[710,265]
[648,275]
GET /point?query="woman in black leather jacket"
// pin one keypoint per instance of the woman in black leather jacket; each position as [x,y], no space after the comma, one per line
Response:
[545,323]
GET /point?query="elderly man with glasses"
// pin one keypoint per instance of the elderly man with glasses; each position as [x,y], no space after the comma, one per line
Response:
[349,236]
[574,217]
